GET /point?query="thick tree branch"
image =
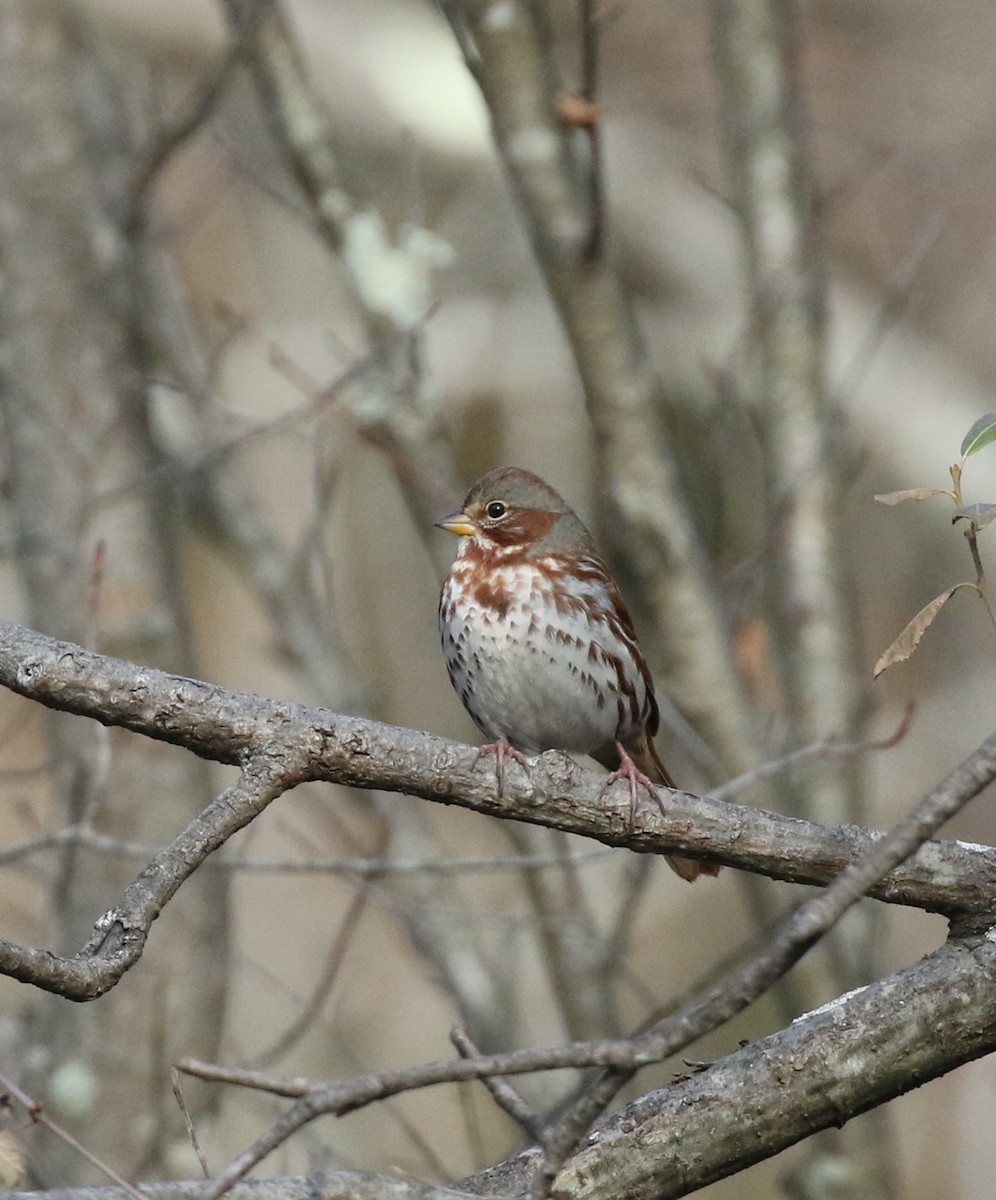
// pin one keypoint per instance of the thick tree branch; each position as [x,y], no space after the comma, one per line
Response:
[824,1069]
[827,1067]
[319,1185]
[787,946]
[287,743]
[624,1056]
[120,934]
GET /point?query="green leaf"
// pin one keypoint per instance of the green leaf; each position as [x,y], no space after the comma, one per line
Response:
[912,494]
[981,434]
[909,639]
[979,514]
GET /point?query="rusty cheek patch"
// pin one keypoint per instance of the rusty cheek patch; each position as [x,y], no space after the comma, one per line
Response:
[521,529]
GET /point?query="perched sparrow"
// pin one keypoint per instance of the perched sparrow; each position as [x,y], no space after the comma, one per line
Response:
[538,642]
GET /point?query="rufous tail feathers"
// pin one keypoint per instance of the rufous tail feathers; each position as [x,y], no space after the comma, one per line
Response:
[644,754]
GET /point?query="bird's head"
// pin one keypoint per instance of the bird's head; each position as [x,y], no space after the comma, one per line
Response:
[511,513]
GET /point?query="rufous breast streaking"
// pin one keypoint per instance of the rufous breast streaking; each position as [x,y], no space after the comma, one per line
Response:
[538,642]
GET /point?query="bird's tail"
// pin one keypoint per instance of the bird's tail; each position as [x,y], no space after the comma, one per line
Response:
[644,754]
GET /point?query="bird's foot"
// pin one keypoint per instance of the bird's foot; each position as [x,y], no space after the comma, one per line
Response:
[501,751]
[636,778]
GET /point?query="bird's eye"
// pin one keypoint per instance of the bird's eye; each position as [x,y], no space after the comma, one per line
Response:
[496,510]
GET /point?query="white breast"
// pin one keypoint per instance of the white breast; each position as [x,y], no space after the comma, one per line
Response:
[542,675]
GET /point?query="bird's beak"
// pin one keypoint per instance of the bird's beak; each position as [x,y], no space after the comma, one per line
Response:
[458,523]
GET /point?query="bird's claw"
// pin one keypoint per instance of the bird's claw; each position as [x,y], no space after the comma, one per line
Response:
[500,750]
[636,779]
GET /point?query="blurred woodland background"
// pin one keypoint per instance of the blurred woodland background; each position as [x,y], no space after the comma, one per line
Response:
[241,374]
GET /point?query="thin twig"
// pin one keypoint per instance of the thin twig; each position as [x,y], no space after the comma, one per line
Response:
[199,109]
[590,33]
[509,1099]
[358,868]
[174,1075]
[326,981]
[898,292]
[321,400]
[823,749]
[39,1117]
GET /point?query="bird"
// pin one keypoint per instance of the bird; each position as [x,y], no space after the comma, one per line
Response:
[539,644]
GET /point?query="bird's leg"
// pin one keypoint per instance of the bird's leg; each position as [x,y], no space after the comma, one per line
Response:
[636,778]
[502,749]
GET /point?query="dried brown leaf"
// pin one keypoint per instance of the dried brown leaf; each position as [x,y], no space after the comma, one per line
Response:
[911,494]
[909,639]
